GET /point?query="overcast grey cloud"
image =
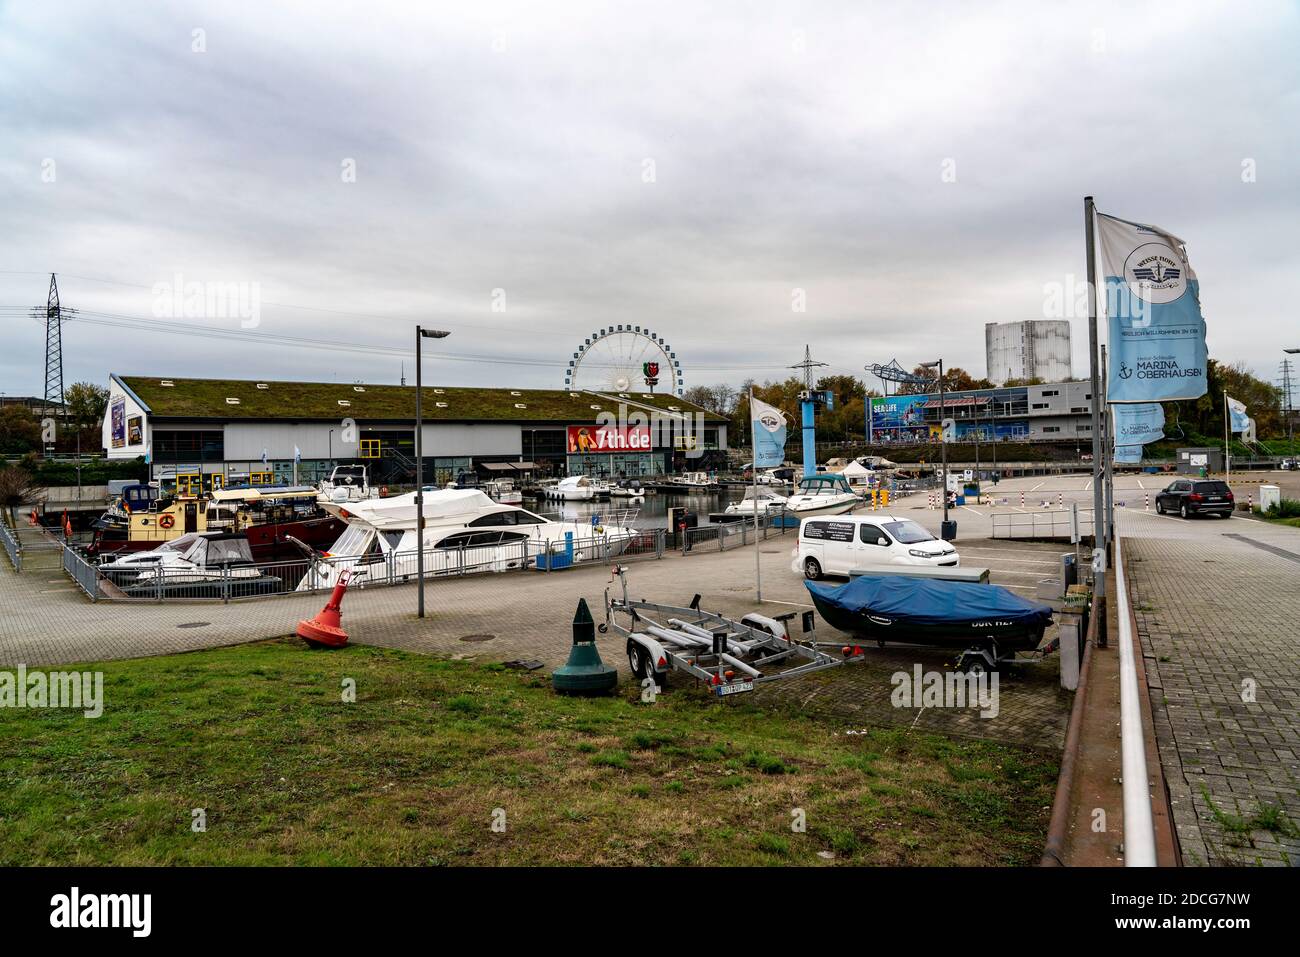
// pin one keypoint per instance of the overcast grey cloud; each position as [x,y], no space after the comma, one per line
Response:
[503,146]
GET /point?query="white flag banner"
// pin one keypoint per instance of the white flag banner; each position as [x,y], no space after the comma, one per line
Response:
[1153,309]
[1237,413]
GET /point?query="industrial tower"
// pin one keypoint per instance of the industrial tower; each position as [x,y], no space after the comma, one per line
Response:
[53,351]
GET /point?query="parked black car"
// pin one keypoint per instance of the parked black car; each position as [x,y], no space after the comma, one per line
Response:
[1190,497]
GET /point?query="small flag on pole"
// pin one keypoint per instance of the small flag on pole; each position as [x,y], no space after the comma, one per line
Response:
[768,425]
[1237,413]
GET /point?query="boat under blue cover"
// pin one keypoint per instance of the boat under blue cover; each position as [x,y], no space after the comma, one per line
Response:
[928,611]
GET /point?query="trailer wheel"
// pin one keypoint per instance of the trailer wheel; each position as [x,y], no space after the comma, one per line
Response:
[975,663]
[638,660]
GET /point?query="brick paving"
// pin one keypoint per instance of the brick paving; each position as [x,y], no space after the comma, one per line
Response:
[1215,614]
[44,620]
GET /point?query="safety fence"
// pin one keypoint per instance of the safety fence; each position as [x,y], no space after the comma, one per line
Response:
[82,572]
[1050,525]
[157,580]
[13,548]
[724,536]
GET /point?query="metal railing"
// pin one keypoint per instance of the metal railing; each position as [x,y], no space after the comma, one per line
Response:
[13,547]
[1054,524]
[82,572]
[724,536]
[265,579]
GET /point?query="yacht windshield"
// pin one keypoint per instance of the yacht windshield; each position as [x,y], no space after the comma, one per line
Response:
[908,532]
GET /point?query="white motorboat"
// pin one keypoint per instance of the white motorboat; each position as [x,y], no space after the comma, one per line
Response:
[693,481]
[464,532]
[503,491]
[825,494]
[215,559]
[575,488]
[762,501]
[347,483]
[630,489]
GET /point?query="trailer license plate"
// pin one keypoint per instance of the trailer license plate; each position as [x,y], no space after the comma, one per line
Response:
[736,687]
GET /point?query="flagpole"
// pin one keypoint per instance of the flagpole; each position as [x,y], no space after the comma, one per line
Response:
[753,461]
[1098,506]
[1227,456]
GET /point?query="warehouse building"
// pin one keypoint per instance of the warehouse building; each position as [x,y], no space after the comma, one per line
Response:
[1052,411]
[210,433]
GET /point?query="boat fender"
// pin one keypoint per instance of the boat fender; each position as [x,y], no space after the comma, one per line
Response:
[763,623]
[383,491]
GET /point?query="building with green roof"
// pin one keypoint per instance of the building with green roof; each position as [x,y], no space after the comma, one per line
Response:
[218,432]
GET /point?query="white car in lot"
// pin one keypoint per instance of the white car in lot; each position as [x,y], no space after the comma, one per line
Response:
[835,545]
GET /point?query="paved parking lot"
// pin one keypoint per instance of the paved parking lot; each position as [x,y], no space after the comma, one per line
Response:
[528,615]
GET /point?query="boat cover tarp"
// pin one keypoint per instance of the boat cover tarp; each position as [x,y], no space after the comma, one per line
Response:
[928,601]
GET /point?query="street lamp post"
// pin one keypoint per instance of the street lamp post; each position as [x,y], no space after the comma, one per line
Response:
[420,332]
[943,442]
[1290,410]
[331,450]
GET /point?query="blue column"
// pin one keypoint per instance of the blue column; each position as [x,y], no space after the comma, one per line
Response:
[809,439]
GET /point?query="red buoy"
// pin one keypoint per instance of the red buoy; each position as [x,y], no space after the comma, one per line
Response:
[323,631]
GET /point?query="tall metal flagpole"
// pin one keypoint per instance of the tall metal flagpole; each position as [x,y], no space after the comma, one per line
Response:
[1227,455]
[1108,470]
[1098,505]
[753,443]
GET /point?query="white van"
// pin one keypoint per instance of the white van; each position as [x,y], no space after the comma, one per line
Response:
[833,545]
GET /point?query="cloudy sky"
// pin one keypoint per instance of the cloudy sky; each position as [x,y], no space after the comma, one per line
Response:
[910,170]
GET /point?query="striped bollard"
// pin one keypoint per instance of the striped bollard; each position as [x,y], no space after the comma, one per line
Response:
[1060,500]
[1146,501]
[1250,502]
[1022,499]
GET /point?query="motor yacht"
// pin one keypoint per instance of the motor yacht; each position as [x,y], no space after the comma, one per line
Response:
[503,491]
[464,531]
[763,500]
[575,488]
[347,483]
[199,564]
[628,489]
[825,494]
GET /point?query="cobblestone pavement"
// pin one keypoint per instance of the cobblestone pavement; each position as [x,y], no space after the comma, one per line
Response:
[45,620]
[1218,616]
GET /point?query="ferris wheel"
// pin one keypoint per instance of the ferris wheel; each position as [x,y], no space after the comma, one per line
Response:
[625,358]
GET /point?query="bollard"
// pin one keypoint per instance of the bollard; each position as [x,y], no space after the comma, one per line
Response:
[1146,501]
[1060,500]
[1250,502]
[1022,499]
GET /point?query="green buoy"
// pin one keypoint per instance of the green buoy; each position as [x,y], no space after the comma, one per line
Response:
[584,673]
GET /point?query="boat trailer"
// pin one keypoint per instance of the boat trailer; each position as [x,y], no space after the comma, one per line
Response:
[731,657]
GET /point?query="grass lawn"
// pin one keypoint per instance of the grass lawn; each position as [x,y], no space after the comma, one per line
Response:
[411,773]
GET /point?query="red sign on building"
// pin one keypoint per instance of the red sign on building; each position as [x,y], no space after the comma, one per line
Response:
[591,439]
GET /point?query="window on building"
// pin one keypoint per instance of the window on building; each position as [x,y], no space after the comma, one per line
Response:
[1051,428]
[204,445]
[371,448]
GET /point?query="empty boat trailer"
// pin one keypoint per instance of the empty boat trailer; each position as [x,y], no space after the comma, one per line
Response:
[730,656]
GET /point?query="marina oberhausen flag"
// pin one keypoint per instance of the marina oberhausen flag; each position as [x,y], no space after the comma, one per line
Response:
[768,425]
[1157,334]
[1237,412]
[1134,426]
